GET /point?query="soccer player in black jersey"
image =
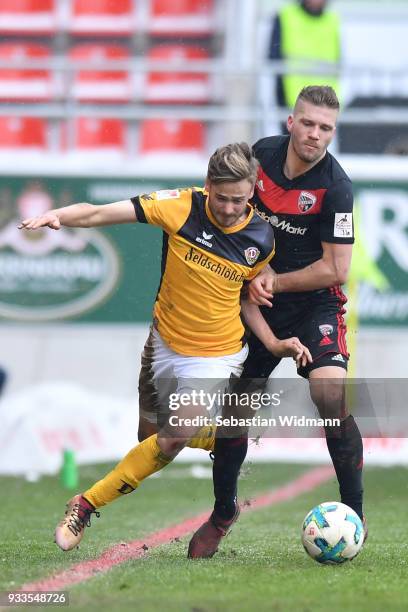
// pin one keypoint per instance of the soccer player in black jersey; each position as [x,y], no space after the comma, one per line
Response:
[307,197]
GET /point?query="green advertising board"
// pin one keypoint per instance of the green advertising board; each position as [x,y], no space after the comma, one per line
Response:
[112,274]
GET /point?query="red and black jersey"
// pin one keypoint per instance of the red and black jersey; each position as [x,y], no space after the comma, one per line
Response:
[312,208]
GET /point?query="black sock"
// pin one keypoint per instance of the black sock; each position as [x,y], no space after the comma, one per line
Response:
[229,455]
[346,450]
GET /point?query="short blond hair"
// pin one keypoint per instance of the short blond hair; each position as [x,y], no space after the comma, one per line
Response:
[231,163]
[319,95]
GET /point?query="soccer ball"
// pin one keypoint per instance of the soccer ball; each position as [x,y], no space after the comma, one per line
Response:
[332,533]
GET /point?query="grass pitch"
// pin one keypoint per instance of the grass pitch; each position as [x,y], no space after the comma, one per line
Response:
[261,566]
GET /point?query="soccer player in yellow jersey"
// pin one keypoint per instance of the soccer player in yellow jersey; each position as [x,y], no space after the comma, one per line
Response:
[214,242]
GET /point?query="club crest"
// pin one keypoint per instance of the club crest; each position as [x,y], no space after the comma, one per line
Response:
[306,201]
[251,255]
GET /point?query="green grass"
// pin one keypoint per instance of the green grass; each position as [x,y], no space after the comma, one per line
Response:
[261,565]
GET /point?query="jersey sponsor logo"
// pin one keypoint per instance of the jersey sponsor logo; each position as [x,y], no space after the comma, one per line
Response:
[343,225]
[167,194]
[306,201]
[282,225]
[205,239]
[213,266]
[326,330]
[338,357]
[285,226]
[251,255]
[260,185]
[146,196]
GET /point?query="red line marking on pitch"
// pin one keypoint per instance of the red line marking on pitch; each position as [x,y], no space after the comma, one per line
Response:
[137,548]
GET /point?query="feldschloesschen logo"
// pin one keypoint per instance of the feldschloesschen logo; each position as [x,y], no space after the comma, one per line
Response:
[205,239]
[306,201]
[47,274]
[251,255]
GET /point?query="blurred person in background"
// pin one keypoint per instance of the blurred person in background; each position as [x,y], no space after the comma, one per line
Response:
[304,30]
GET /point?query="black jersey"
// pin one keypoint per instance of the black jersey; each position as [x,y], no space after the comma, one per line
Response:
[312,208]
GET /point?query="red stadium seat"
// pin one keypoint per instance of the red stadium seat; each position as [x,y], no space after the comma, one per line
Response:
[18,133]
[100,84]
[102,17]
[25,83]
[172,136]
[27,16]
[182,17]
[177,86]
[93,134]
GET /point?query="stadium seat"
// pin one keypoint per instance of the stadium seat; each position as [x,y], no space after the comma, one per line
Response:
[25,83]
[19,133]
[172,136]
[100,84]
[102,17]
[27,17]
[176,86]
[181,17]
[90,134]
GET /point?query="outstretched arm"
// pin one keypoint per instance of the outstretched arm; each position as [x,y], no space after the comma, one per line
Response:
[83,215]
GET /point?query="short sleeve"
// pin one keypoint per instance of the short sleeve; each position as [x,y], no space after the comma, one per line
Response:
[260,265]
[336,221]
[168,208]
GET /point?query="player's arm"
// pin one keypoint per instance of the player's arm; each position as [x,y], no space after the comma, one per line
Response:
[83,215]
[291,347]
[332,269]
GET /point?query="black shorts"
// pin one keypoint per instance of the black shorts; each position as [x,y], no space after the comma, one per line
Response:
[317,320]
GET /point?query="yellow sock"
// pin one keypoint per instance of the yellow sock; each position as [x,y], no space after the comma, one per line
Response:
[142,461]
[204,439]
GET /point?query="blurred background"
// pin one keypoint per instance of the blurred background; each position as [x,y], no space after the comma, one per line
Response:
[101,100]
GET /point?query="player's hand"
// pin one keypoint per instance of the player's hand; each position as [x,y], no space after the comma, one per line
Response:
[292,347]
[49,219]
[260,289]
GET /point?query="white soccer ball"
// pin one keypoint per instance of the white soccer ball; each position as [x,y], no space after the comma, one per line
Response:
[332,533]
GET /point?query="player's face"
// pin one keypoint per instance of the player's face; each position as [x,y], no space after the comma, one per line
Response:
[311,130]
[228,201]
[315,5]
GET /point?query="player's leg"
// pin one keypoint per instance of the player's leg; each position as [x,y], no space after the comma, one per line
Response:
[152,414]
[230,450]
[154,452]
[229,454]
[327,389]
[141,461]
[324,333]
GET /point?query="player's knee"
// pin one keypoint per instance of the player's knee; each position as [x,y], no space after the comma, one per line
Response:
[329,401]
[171,446]
[145,430]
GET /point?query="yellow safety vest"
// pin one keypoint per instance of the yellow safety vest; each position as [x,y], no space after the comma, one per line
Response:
[308,37]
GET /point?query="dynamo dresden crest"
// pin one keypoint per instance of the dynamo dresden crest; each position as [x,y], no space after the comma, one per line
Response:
[251,255]
[306,201]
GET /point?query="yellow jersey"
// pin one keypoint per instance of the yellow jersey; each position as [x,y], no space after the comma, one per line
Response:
[204,265]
